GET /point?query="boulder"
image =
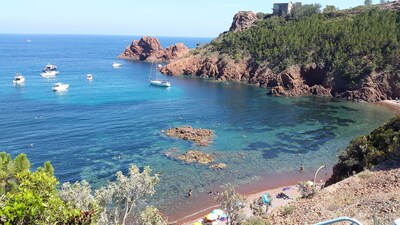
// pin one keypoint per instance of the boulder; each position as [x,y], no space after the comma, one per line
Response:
[243,20]
[150,49]
[277,91]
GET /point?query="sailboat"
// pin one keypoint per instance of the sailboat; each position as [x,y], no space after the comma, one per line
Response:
[157,82]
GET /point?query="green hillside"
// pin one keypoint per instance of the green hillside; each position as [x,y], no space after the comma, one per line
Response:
[350,44]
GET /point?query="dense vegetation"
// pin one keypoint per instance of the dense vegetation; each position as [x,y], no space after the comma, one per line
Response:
[28,197]
[345,44]
[367,151]
[31,197]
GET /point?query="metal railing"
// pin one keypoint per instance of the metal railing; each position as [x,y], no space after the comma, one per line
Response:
[340,219]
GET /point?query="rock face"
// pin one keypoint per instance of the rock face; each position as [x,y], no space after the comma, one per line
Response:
[202,137]
[150,49]
[294,81]
[243,20]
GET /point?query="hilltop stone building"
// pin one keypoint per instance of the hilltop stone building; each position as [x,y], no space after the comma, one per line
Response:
[281,9]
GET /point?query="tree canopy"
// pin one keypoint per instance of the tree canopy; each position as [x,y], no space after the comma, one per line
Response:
[346,45]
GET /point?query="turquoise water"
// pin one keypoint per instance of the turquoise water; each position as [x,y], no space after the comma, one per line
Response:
[100,127]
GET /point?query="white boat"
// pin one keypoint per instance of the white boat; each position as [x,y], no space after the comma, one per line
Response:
[161,83]
[48,74]
[89,76]
[116,65]
[60,87]
[18,79]
[50,68]
[158,82]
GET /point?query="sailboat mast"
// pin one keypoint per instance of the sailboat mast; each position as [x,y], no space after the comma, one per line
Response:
[151,68]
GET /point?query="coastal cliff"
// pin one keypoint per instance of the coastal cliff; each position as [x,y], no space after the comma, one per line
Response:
[356,59]
[150,49]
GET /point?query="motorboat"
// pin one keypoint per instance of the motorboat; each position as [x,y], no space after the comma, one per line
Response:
[156,81]
[116,65]
[60,87]
[89,76]
[18,79]
[50,68]
[48,74]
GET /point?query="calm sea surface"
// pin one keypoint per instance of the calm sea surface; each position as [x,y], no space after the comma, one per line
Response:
[102,126]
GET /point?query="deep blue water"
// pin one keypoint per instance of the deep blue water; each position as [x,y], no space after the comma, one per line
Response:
[99,127]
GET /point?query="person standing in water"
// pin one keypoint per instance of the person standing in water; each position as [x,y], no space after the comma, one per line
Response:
[190,193]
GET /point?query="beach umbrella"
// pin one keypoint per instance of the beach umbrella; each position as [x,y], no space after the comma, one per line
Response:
[218,212]
[211,216]
[266,198]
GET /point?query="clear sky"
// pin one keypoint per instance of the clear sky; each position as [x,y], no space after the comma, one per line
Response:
[187,18]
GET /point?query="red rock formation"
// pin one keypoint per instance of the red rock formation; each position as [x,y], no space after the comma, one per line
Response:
[150,49]
[294,81]
[243,20]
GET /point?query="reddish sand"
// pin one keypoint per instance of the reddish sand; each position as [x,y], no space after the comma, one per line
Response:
[204,204]
[292,192]
[391,104]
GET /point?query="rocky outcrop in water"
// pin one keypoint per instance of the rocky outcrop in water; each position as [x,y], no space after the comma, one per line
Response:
[243,20]
[201,137]
[219,166]
[192,156]
[150,49]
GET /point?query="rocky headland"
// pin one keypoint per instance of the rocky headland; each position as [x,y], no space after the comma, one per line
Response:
[201,137]
[149,49]
[364,81]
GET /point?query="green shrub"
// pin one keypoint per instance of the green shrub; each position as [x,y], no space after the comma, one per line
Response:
[367,151]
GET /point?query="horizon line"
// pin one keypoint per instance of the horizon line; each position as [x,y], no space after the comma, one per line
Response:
[130,35]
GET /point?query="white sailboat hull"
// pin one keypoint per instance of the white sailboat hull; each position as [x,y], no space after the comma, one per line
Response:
[160,83]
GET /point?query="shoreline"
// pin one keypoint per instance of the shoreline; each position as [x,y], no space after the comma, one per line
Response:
[203,204]
[293,193]
[392,105]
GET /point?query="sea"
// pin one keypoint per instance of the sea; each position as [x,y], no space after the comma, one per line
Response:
[99,127]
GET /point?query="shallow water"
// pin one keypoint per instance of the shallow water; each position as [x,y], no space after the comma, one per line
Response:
[99,127]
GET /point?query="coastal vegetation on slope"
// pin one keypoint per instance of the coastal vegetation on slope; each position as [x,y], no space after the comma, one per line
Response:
[35,197]
[368,151]
[351,54]
[347,46]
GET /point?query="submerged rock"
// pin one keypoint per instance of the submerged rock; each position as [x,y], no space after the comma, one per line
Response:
[218,166]
[193,156]
[202,137]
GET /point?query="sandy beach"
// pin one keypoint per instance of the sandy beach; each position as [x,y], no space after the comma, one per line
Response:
[204,204]
[391,104]
[290,190]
